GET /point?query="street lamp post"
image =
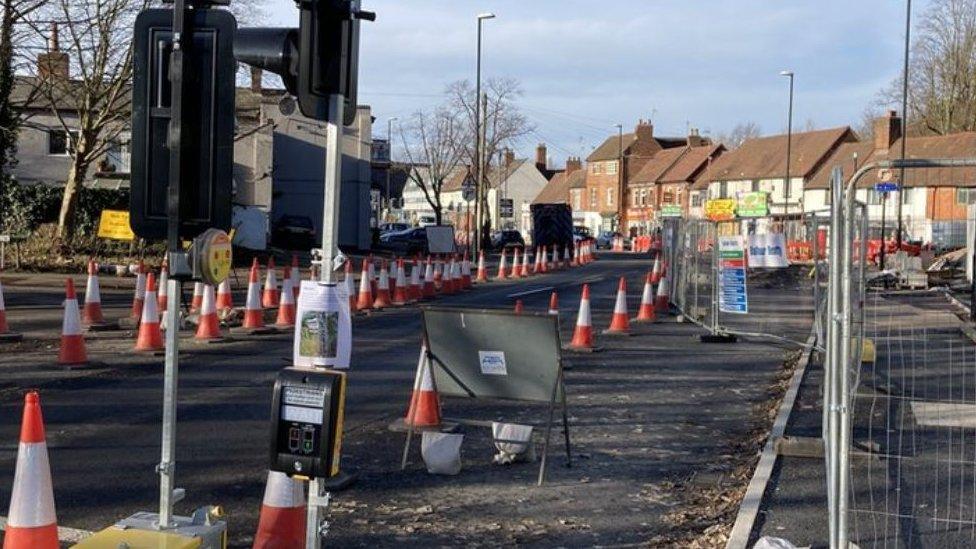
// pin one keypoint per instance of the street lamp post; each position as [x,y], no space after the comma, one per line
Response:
[620,177]
[789,143]
[478,145]
[389,139]
[904,122]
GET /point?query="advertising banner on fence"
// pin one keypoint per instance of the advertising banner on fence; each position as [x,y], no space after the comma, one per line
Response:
[720,209]
[752,204]
[768,250]
[671,210]
[732,275]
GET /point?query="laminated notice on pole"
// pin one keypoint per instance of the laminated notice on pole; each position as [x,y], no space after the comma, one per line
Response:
[323,330]
[732,275]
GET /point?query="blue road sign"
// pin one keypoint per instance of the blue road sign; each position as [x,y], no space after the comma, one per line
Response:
[886,186]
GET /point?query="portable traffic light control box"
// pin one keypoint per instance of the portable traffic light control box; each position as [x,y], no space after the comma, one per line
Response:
[306,422]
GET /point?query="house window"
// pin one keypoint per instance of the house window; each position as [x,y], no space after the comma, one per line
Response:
[61,142]
[965,196]
[696,200]
[668,197]
[593,198]
[596,168]
[577,200]
[755,185]
[906,196]
[118,157]
[643,197]
[611,168]
[723,189]
[609,197]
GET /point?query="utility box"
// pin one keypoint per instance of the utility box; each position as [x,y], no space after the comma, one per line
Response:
[306,422]
[204,530]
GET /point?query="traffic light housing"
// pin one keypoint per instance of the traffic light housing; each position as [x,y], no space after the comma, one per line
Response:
[318,59]
[208,127]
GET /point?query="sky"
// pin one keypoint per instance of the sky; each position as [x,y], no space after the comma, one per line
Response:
[587,65]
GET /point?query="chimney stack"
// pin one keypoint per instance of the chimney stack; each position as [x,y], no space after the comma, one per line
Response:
[256,76]
[541,157]
[694,138]
[644,131]
[53,63]
[887,130]
[573,164]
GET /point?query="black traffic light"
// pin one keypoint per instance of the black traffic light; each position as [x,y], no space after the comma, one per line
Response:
[316,60]
[208,123]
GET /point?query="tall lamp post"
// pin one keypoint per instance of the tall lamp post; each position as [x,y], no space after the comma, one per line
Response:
[389,169]
[478,145]
[789,143]
[620,177]
[904,123]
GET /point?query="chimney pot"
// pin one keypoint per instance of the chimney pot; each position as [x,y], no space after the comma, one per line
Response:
[541,157]
[573,164]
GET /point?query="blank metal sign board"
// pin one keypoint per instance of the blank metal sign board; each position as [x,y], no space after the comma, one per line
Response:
[485,353]
[440,239]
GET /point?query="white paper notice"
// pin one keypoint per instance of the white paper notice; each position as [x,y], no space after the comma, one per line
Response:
[492,363]
[323,335]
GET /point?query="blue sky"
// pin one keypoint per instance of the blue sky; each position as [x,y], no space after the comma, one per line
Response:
[587,65]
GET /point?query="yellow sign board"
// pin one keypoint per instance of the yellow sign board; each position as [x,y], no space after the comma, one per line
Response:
[114,224]
[720,209]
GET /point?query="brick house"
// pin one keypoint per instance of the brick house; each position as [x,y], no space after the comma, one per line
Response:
[609,169]
[934,201]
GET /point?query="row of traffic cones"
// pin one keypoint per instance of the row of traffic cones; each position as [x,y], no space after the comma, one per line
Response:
[545,260]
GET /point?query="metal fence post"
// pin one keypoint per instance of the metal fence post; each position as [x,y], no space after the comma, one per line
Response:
[833,360]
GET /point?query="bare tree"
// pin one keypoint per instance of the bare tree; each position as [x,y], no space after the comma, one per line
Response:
[431,143]
[942,71]
[504,124]
[739,133]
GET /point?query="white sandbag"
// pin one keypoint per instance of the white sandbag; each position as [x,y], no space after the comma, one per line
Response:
[768,542]
[441,452]
[508,451]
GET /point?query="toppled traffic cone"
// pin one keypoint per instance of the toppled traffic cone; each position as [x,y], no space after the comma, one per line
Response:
[502,269]
[139,296]
[425,408]
[162,294]
[253,311]
[269,299]
[382,298]
[282,522]
[583,333]
[400,296]
[350,283]
[286,305]
[225,298]
[482,275]
[296,277]
[365,299]
[208,326]
[662,299]
[197,300]
[429,290]
[31,521]
[620,323]
[92,313]
[646,311]
[656,271]
[519,306]
[554,303]
[72,349]
[149,337]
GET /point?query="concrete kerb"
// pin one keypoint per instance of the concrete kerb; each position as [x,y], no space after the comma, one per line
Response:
[745,521]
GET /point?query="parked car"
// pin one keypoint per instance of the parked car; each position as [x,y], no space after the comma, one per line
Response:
[426,221]
[393,228]
[293,232]
[506,239]
[581,233]
[408,242]
[605,240]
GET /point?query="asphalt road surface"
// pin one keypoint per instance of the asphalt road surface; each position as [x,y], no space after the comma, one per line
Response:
[653,418]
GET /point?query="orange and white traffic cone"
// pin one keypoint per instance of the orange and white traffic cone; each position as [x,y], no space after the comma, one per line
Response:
[92,313]
[447,282]
[197,301]
[502,268]
[225,298]
[391,277]
[162,294]
[482,275]
[620,323]
[139,297]
[286,306]
[662,299]
[400,296]
[466,272]
[365,300]
[4,327]
[516,271]
[31,521]
[72,349]
[149,337]
[583,333]
[554,303]
[576,255]
[543,265]
[416,282]
[526,266]
[253,311]
[656,271]
[554,262]
[371,270]
[350,283]
[382,298]
[438,275]
[429,290]
[282,522]
[425,407]
[270,297]
[456,275]
[567,260]
[296,277]
[646,311]
[519,306]
[208,326]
